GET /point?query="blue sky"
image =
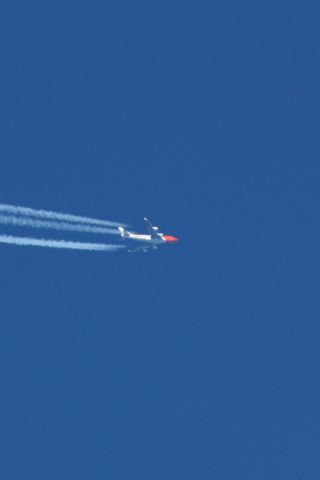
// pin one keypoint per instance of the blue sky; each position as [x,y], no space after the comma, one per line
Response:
[196,361]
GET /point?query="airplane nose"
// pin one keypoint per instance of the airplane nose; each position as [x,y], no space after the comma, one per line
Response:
[171,239]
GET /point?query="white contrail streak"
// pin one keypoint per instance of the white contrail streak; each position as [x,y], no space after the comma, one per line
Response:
[53,225]
[39,242]
[31,212]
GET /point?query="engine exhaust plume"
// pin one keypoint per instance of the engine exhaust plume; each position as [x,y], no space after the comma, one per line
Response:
[47,243]
[55,225]
[49,215]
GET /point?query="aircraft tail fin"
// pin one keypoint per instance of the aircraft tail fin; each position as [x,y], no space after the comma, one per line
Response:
[123,232]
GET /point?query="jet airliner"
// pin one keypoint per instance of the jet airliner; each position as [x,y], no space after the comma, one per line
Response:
[151,240]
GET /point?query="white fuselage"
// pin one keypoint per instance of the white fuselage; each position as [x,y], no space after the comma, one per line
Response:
[153,239]
[145,238]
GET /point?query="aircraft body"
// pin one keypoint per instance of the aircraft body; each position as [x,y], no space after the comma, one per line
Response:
[151,240]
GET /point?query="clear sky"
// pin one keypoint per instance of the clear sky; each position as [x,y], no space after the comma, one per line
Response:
[201,360]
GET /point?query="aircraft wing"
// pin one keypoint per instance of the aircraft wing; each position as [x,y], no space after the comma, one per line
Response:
[152,229]
[142,248]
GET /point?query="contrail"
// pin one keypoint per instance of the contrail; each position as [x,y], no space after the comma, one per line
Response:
[31,212]
[53,225]
[39,242]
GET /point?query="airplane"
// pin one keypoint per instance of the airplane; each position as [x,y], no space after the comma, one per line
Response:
[152,240]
